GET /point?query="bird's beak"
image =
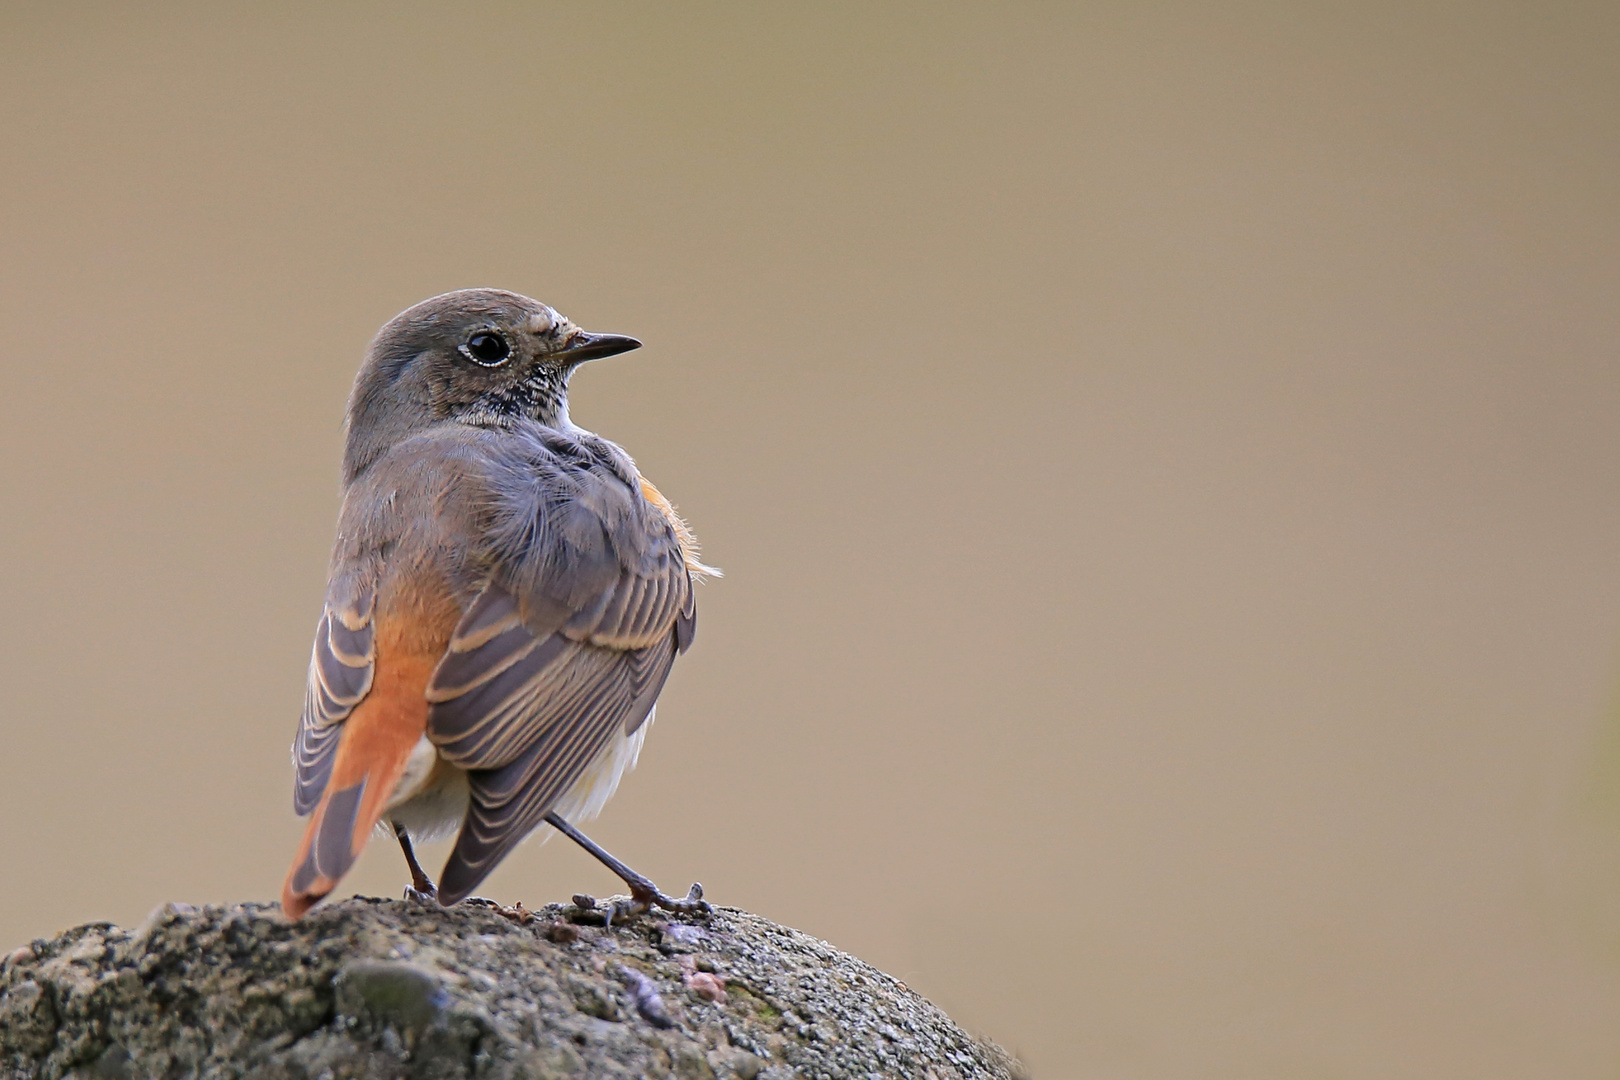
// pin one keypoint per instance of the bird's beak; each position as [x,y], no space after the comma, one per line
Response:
[583,346]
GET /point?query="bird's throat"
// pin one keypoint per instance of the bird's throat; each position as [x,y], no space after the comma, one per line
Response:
[543,400]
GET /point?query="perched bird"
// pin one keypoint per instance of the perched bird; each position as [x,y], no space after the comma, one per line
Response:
[505,599]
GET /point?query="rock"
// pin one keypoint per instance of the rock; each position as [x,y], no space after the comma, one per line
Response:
[390,993]
[379,989]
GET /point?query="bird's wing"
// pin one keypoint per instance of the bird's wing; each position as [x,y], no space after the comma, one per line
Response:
[565,648]
[340,673]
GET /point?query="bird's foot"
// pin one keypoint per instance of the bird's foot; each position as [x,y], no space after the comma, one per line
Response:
[430,895]
[422,896]
[483,902]
[644,896]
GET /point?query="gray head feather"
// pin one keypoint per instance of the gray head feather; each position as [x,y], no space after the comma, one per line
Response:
[484,357]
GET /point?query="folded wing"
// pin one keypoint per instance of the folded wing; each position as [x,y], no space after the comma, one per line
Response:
[564,650]
[340,673]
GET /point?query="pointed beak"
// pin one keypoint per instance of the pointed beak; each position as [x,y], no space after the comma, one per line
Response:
[583,346]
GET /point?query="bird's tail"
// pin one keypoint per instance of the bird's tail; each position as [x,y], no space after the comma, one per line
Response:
[376,743]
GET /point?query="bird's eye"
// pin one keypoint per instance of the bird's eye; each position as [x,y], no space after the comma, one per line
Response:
[490,350]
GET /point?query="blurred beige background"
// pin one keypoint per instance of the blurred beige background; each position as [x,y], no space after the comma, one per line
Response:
[1165,460]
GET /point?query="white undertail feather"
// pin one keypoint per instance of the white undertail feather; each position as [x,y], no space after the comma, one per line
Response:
[596,785]
[430,800]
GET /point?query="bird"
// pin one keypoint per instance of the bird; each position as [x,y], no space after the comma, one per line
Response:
[505,599]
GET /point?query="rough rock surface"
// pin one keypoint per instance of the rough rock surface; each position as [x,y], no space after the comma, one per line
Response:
[382,989]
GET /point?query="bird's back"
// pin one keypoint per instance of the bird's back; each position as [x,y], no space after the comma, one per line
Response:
[522,592]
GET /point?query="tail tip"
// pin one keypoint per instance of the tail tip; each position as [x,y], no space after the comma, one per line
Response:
[295,905]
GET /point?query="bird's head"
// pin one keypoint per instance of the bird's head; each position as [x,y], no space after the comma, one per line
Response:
[477,356]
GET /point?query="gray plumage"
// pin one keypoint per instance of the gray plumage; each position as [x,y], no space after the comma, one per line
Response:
[549,587]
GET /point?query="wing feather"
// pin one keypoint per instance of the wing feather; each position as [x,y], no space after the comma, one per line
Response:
[341,667]
[603,693]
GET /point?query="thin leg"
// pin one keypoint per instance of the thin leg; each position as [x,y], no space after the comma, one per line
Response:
[422,887]
[644,895]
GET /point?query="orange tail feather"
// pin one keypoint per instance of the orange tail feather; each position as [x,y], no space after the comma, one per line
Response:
[376,743]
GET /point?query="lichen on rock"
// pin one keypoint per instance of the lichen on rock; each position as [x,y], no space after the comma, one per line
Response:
[380,989]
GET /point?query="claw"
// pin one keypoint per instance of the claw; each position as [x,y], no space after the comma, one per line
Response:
[644,896]
[429,895]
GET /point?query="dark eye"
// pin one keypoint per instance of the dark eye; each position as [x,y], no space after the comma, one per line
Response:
[488,349]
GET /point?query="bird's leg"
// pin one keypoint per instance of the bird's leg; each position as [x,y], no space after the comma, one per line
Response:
[421,886]
[644,895]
